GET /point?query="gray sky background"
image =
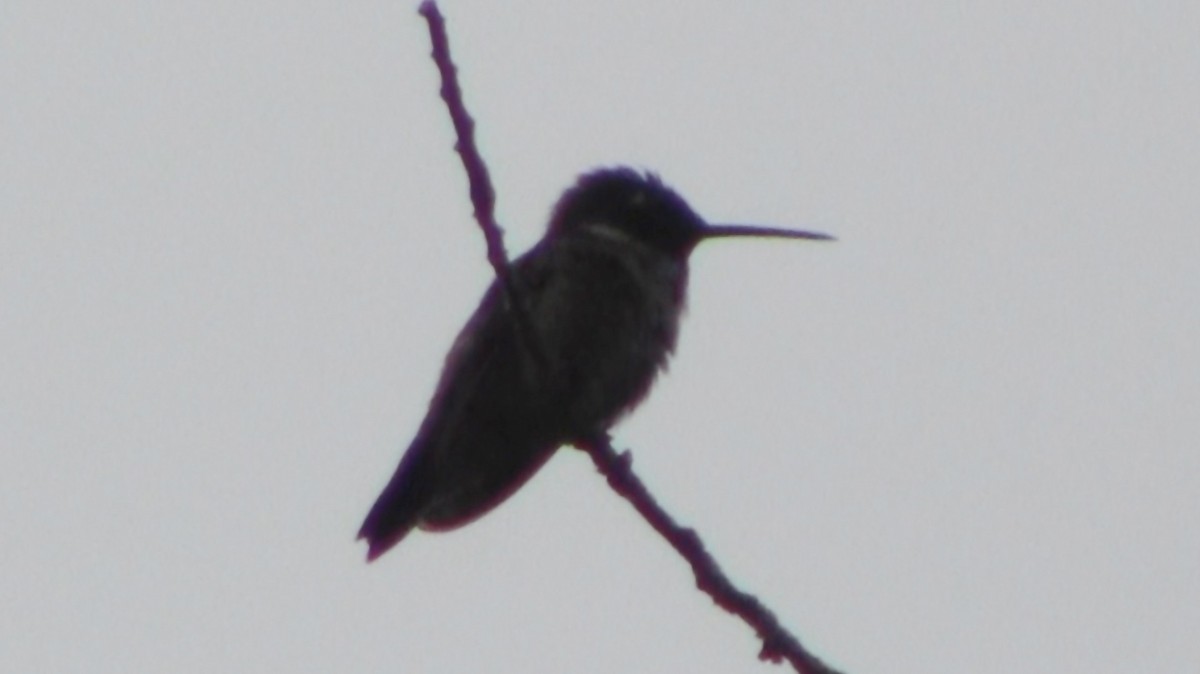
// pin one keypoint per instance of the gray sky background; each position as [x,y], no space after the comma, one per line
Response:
[236,244]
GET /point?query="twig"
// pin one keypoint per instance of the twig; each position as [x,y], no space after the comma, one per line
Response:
[778,643]
[483,196]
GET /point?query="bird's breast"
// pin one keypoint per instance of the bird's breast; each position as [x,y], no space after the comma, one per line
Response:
[608,314]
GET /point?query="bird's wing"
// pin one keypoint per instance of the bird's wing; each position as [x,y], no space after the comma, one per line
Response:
[485,433]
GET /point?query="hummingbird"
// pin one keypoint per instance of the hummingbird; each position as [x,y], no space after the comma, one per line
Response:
[602,293]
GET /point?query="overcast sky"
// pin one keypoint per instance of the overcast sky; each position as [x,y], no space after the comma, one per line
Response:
[235,245]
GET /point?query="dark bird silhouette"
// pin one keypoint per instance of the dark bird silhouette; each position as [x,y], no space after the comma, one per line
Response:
[602,292]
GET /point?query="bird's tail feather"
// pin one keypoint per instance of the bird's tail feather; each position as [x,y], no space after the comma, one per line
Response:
[397,510]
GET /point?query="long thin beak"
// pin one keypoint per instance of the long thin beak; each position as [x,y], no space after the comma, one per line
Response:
[716,231]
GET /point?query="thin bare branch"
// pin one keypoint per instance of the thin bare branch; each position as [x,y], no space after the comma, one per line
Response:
[483,196]
[778,643]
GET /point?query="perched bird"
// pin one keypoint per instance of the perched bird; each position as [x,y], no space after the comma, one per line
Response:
[602,294]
